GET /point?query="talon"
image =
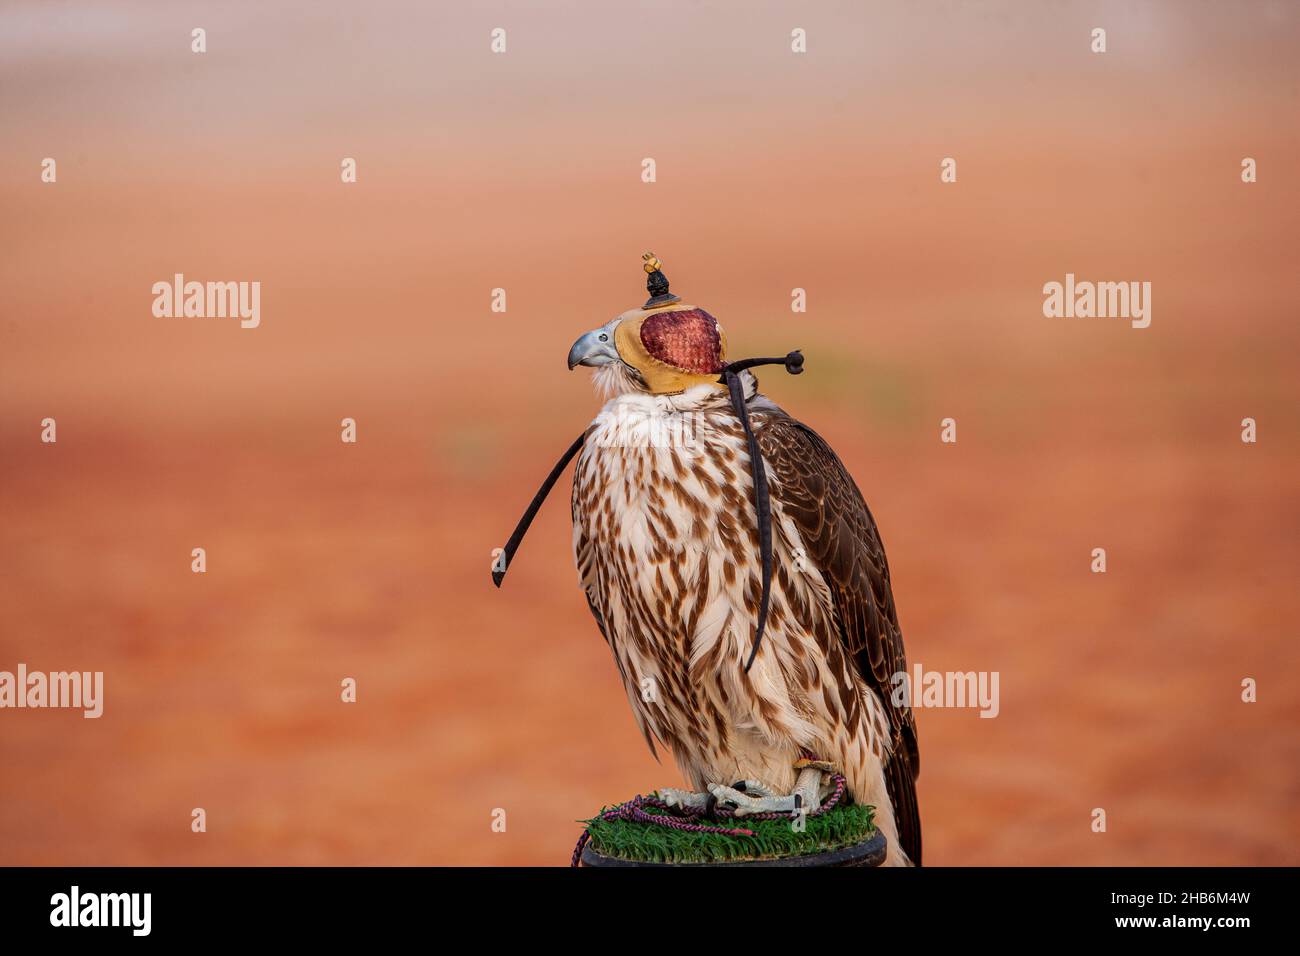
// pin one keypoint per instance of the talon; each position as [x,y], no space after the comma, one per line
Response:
[685,799]
[729,797]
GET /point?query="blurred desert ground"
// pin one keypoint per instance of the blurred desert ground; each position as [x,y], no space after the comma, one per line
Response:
[521,171]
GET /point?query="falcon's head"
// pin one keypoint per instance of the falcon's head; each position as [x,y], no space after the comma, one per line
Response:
[662,348]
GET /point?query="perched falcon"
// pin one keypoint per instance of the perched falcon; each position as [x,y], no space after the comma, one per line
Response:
[742,682]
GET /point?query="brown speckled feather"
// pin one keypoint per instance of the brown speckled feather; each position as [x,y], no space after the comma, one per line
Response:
[817,493]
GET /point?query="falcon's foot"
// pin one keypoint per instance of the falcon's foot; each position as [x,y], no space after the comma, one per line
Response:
[752,796]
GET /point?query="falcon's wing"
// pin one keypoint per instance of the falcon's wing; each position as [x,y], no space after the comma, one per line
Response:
[818,495]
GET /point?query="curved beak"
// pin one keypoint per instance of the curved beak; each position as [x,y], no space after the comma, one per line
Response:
[594,348]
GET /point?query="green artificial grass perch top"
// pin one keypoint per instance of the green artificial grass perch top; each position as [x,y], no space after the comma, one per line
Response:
[842,826]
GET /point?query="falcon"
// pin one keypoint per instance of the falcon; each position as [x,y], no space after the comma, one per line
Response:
[737,575]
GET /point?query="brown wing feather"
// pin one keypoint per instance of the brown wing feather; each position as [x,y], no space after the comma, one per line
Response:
[817,493]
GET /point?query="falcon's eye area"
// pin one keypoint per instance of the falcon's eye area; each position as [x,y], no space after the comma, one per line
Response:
[595,348]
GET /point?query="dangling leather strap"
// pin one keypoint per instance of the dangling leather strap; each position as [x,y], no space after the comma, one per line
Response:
[533,507]
[793,363]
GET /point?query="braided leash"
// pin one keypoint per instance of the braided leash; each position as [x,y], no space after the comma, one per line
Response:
[680,818]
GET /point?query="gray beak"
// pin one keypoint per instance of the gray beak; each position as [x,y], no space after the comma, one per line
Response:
[595,348]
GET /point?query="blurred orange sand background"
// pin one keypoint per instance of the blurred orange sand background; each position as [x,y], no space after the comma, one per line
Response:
[522,171]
